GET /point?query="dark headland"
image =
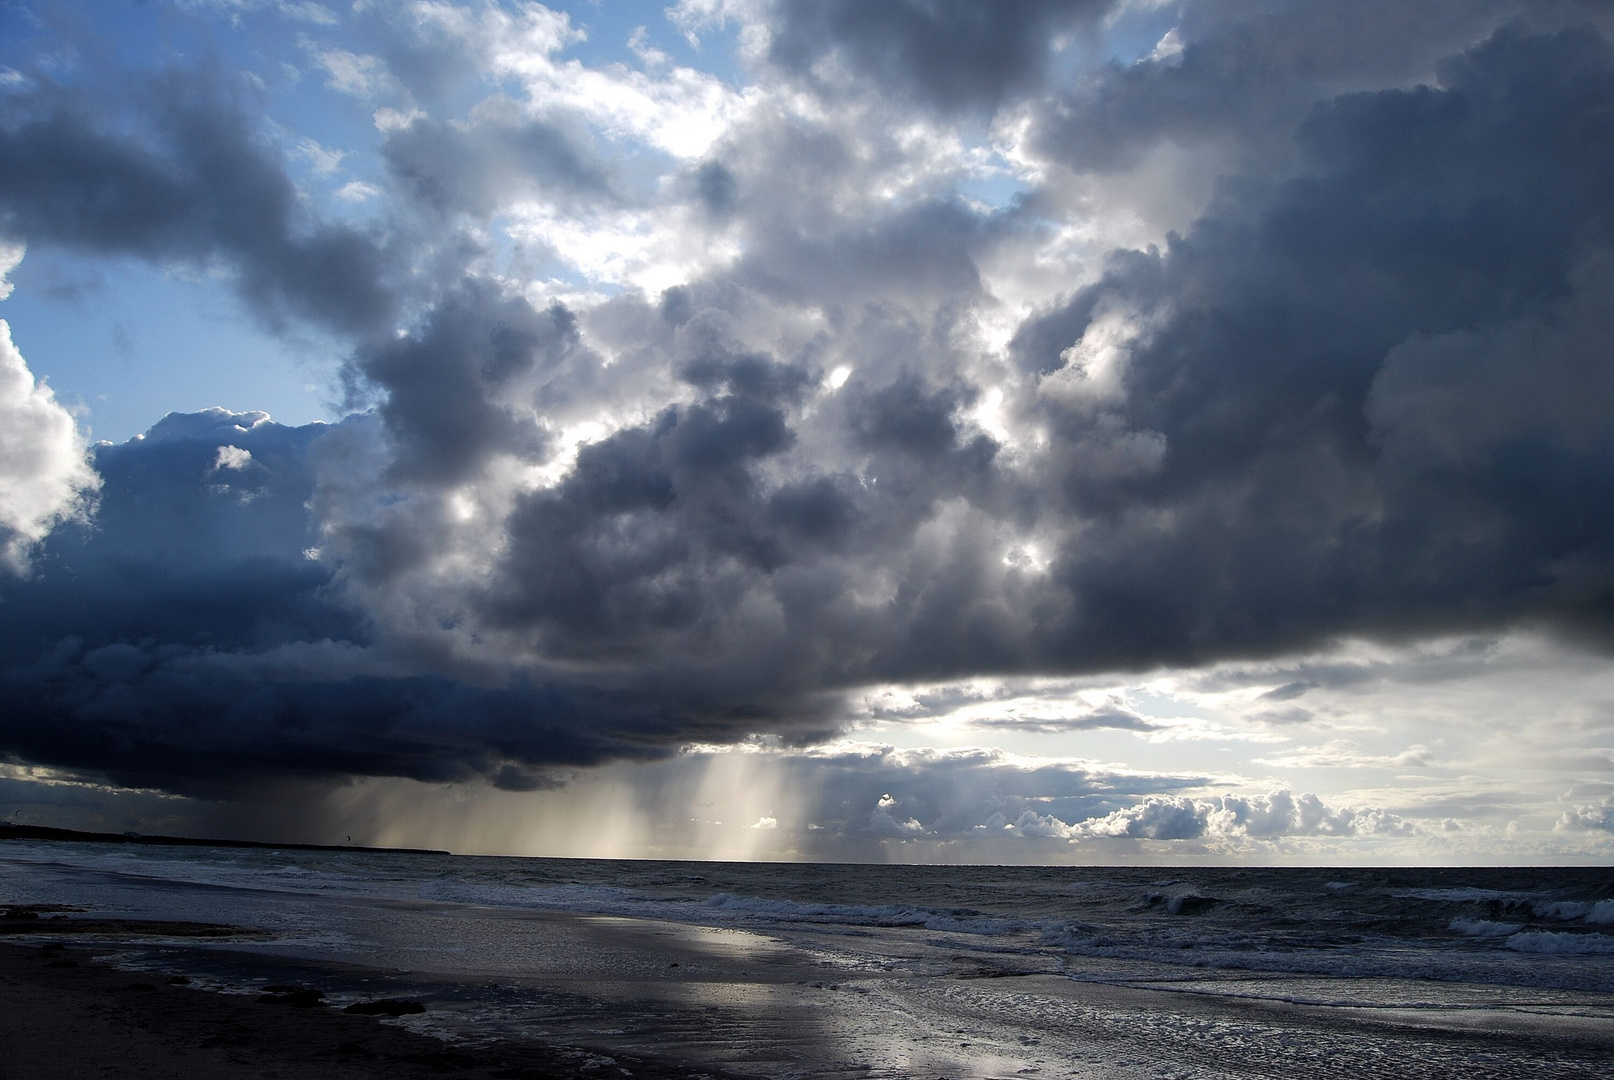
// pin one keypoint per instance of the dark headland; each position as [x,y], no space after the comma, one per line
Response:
[10,831]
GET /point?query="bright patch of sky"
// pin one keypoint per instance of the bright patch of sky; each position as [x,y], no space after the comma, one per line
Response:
[125,344]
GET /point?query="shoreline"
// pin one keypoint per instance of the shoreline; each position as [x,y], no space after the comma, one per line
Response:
[69,1015]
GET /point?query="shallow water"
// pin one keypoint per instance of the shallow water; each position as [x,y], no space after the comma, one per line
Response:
[894,971]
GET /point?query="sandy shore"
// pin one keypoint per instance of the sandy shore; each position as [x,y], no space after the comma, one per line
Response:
[66,1017]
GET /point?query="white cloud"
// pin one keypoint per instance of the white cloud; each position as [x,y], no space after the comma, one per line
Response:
[1280,813]
[232,457]
[357,75]
[884,823]
[10,256]
[357,191]
[322,159]
[678,110]
[44,472]
[309,12]
[1589,817]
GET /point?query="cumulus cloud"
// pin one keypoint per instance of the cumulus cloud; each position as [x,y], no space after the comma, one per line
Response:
[1233,817]
[45,476]
[1594,816]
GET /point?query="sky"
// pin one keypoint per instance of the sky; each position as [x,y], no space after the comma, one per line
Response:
[1089,431]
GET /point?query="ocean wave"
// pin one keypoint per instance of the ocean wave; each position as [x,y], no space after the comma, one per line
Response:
[1556,943]
[1465,896]
[959,921]
[1484,928]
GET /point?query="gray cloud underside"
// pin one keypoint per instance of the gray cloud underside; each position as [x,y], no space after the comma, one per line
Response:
[1364,395]
[184,176]
[952,55]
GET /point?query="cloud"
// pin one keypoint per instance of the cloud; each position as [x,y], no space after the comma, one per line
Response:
[453,387]
[10,258]
[1115,718]
[361,76]
[953,55]
[1279,305]
[1597,817]
[1344,754]
[173,167]
[45,477]
[1233,817]
[1236,78]
[499,156]
[232,457]
[864,792]
[1360,395]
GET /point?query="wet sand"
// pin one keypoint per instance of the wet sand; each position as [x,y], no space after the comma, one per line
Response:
[66,1017]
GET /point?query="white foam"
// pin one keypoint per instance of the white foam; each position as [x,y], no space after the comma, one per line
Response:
[1602,913]
[1560,944]
[1464,896]
[1484,928]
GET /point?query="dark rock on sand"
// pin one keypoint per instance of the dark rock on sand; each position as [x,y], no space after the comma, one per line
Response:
[301,997]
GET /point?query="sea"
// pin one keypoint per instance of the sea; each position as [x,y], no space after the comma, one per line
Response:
[864,971]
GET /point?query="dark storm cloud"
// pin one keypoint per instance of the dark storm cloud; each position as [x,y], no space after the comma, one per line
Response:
[1460,233]
[185,640]
[453,387]
[1244,73]
[481,166]
[659,528]
[951,55]
[171,166]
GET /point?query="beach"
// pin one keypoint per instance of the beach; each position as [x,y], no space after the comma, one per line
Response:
[68,1016]
[90,1019]
[533,967]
